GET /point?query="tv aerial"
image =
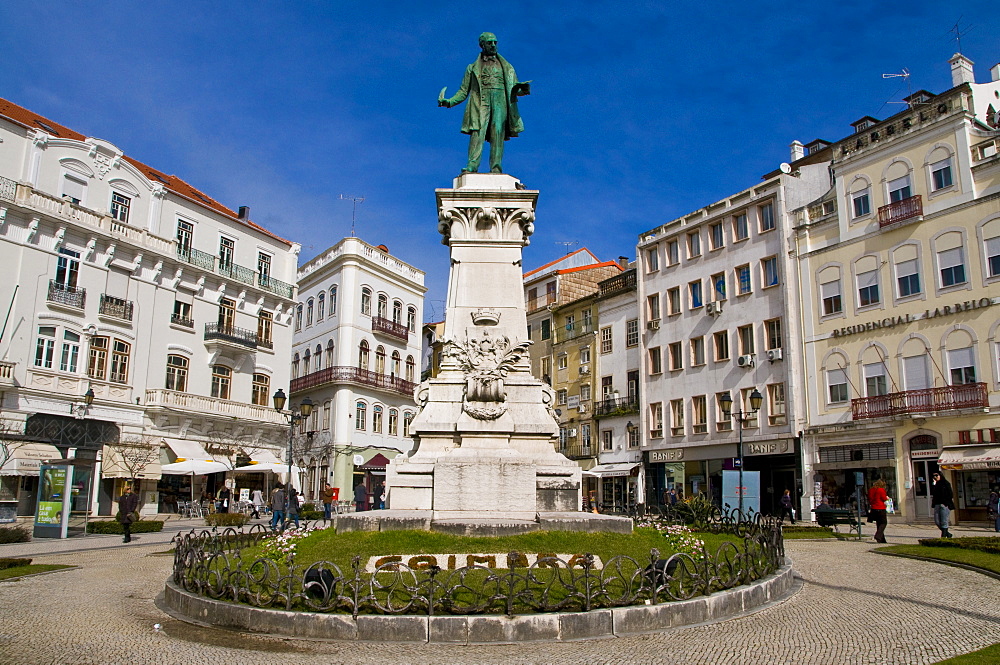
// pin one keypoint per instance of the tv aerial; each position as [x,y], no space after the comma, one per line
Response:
[354,213]
[568,244]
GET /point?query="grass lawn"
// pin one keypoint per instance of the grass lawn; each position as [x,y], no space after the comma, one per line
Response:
[801,532]
[19,571]
[987,656]
[983,560]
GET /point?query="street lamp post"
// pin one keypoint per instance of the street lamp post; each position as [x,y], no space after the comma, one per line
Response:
[305,410]
[726,401]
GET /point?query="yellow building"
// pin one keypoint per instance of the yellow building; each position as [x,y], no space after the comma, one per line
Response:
[899,266]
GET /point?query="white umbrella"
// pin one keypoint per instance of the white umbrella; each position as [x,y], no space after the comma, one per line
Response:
[193,467]
[640,487]
[269,467]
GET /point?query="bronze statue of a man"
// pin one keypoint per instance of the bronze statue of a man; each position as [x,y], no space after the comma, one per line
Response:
[491,114]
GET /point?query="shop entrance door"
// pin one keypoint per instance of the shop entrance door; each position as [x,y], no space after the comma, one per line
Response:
[922,472]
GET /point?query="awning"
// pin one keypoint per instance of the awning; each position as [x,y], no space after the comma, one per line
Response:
[193,468]
[187,450]
[959,458]
[120,462]
[26,459]
[614,470]
[264,456]
[377,463]
[272,467]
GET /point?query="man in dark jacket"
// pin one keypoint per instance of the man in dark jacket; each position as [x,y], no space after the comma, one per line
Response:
[128,504]
[360,496]
[942,502]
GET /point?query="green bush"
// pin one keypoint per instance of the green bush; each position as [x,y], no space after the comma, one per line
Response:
[15,534]
[306,507]
[990,544]
[13,563]
[115,528]
[226,519]
[310,514]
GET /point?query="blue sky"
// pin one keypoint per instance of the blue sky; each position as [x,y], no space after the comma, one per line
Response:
[639,112]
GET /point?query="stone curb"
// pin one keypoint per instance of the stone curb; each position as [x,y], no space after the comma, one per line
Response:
[481,629]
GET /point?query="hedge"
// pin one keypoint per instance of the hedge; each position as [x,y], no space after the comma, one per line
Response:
[8,562]
[226,519]
[115,528]
[15,534]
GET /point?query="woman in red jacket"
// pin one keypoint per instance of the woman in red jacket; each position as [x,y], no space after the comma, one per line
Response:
[876,508]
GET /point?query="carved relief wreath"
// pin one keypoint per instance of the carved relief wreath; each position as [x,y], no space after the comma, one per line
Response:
[486,361]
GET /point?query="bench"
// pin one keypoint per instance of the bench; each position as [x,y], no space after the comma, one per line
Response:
[833,517]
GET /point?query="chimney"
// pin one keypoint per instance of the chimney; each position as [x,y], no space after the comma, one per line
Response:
[961,70]
[798,150]
[244,213]
[995,72]
[623,262]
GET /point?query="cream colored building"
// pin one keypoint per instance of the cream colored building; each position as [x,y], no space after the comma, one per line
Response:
[900,278]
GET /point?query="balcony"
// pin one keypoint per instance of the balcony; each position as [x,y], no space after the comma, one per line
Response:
[579,450]
[7,372]
[196,257]
[179,320]
[926,401]
[618,284]
[621,406]
[170,400]
[535,304]
[115,307]
[572,331]
[900,211]
[231,334]
[69,296]
[275,286]
[390,328]
[342,374]
[237,272]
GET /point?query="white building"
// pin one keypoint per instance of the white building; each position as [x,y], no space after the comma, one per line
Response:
[129,285]
[356,356]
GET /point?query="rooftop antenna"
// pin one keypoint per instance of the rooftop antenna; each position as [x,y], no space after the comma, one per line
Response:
[959,33]
[568,244]
[905,75]
[354,214]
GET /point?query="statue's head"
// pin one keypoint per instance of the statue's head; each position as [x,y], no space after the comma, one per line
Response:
[488,42]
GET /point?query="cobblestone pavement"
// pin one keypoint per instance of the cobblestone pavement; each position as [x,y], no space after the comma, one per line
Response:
[853,606]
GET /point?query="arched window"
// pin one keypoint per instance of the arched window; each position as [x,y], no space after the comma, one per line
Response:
[320,305]
[330,358]
[333,300]
[363,354]
[327,410]
[260,389]
[383,306]
[411,319]
[393,420]
[298,317]
[377,419]
[396,364]
[397,311]
[318,358]
[309,312]
[360,416]
[295,366]
[407,419]
[410,368]
[380,360]
[306,357]
[177,373]
[366,301]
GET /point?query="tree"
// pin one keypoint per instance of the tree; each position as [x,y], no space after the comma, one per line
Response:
[132,453]
[10,440]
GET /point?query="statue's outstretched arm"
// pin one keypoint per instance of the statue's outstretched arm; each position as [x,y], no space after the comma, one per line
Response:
[463,91]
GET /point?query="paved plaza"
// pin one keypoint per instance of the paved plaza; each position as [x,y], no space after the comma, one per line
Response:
[850,606]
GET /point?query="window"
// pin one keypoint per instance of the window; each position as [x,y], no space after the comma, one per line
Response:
[363,354]
[327,411]
[772,328]
[674,300]
[295,366]
[561,397]
[588,320]
[265,321]
[550,293]
[70,351]
[318,358]
[393,422]
[547,370]
[697,351]
[724,422]
[330,356]
[941,174]
[410,368]
[677,417]
[875,384]
[227,249]
[746,339]
[993,256]
[716,235]
[407,420]
[360,416]
[606,340]
[899,189]
[120,205]
[633,437]
[632,333]
[366,301]
[533,299]
[74,189]
[177,373]
[743,279]
[227,314]
[546,329]
[751,418]
[562,361]
[830,293]
[67,268]
[309,312]
[585,392]
[694,289]
[584,354]
[868,288]
[264,269]
[915,373]
[120,352]
[836,382]
[607,440]
[656,420]
[699,414]
[721,343]
[563,438]
[652,259]
[182,314]
[333,300]
[607,387]
[221,381]
[185,234]
[377,419]
[766,215]
[962,366]
[632,385]
[673,253]
[380,359]
[320,306]
[411,319]
[655,360]
[585,438]
[861,202]
[676,356]
[776,404]
[694,244]
[719,286]
[383,306]
[98,365]
[306,358]
[298,318]
[397,312]
[653,307]
[741,230]
[952,267]
[908,278]
[45,346]
[769,270]
[260,389]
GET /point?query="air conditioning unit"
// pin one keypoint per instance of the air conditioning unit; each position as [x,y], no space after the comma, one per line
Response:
[653,324]
[582,408]
[745,361]
[571,433]
[713,308]
[584,369]
[774,354]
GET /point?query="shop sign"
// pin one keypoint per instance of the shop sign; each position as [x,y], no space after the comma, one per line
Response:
[671,455]
[766,448]
[925,454]
[893,321]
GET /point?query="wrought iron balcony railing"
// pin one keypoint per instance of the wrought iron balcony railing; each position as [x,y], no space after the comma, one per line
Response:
[71,296]
[900,211]
[196,257]
[623,282]
[275,286]
[237,272]
[347,374]
[579,450]
[927,400]
[116,307]
[390,328]
[240,336]
[616,407]
[572,331]
[533,304]
[182,320]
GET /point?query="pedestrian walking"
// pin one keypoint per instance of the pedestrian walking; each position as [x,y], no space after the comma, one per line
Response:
[876,509]
[256,503]
[292,507]
[360,496]
[128,512]
[786,507]
[942,502]
[223,498]
[993,508]
[278,507]
[327,497]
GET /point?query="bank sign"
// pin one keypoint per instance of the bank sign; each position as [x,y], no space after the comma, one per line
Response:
[893,321]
